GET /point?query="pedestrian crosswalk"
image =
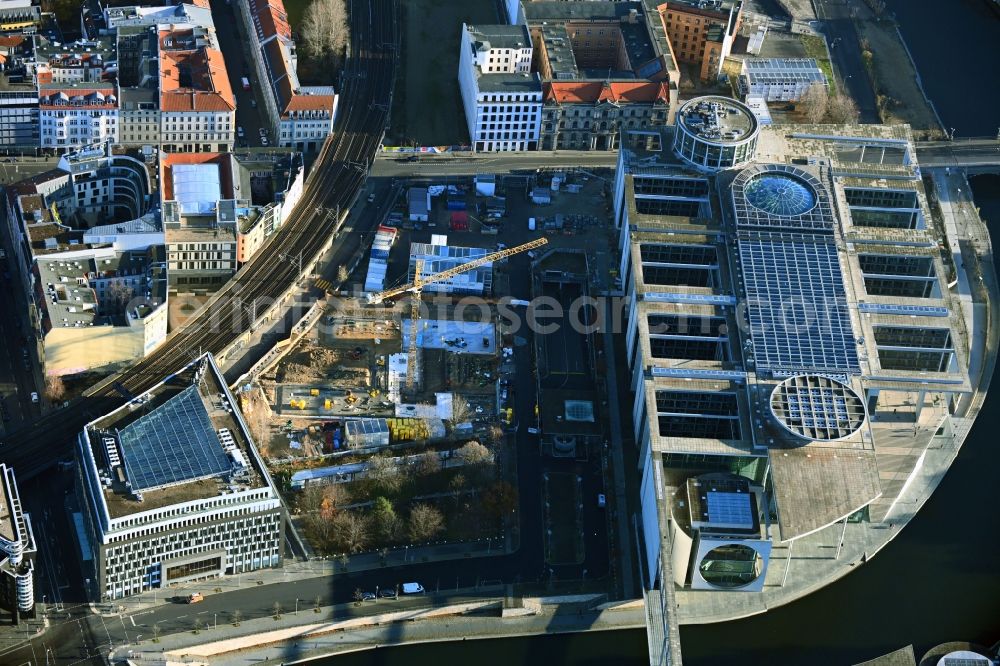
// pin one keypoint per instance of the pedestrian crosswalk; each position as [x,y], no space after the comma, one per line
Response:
[325,285]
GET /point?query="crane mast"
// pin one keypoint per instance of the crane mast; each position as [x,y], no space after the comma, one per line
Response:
[416,288]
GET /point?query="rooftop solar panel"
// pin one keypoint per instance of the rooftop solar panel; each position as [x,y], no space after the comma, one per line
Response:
[729,509]
[797,304]
[174,443]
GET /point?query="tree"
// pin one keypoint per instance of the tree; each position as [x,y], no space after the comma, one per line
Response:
[384,520]
[426,522]
[276,610]
[457,483]
[843,109]
[384,473]
[197,625]
[474,453]
[324,30]
[156,633]
[237,616]
[351,531]
[461,410]
[342,274]
[55,389]
[428,463]
[813,102]
[317,604]
[499,500]
[118,295]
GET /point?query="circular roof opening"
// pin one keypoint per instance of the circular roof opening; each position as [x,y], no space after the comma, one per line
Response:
[817,408]
[780,194]
[730,566]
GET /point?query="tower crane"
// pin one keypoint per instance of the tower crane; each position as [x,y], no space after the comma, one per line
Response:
[419,282]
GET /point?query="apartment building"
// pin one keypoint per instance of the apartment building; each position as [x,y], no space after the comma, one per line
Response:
[18,94]
[100,308]
[147,521]
[701,32]
[301,117]
[197,105]
[218,209]
[501,96]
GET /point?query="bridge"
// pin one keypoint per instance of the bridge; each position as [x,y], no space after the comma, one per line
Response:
[976,155]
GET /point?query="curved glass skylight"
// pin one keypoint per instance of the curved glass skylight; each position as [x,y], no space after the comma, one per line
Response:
[780,194]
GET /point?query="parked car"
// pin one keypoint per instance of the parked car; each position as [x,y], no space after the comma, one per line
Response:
[194,598]
[253,103]
[388,593]
[371,197]
[368,596]
[602,501]
[263,140]
[262,132]
[413,588]
[239,132]
[34,397]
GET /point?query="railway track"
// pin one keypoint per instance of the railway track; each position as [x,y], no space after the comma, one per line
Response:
[333,184]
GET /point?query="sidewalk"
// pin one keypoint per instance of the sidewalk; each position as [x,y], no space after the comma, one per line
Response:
[314,568]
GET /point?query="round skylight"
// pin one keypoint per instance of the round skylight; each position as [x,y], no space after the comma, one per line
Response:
[780,194]
[817,407]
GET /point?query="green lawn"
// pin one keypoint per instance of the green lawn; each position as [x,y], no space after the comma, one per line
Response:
[816,48]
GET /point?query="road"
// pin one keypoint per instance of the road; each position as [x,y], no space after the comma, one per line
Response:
[332,186]
[393,164]
[959,153]
[845,49]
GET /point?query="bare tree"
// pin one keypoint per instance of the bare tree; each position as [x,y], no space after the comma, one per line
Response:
[118,295]
[843,109]
[276,610]
[384,473]
[324,29]
[813,102]
[474,453]
[55,389]
[156,633]
[428,463]
[317,604]
[352,531]
[461,410]
[426,522]
[342,274]
[237,616]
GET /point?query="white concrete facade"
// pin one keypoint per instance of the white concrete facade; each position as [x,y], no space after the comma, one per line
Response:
[501,97]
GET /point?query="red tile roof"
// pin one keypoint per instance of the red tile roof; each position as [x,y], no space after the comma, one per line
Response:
[619,92]
[271,19]
[206,85]
[300,102]
[11,41]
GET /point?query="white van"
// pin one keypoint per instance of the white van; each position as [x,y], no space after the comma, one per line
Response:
[412,588]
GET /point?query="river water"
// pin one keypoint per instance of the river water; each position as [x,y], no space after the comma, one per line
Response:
[939,580]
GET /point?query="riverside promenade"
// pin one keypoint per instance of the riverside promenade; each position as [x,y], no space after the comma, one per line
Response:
[309,634]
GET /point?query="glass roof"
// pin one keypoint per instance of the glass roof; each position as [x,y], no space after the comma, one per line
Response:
[174,443]
[780,194]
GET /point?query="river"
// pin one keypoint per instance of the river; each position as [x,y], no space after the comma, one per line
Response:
[939,580]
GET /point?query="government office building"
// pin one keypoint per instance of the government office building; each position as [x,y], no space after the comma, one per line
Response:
[171,489]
